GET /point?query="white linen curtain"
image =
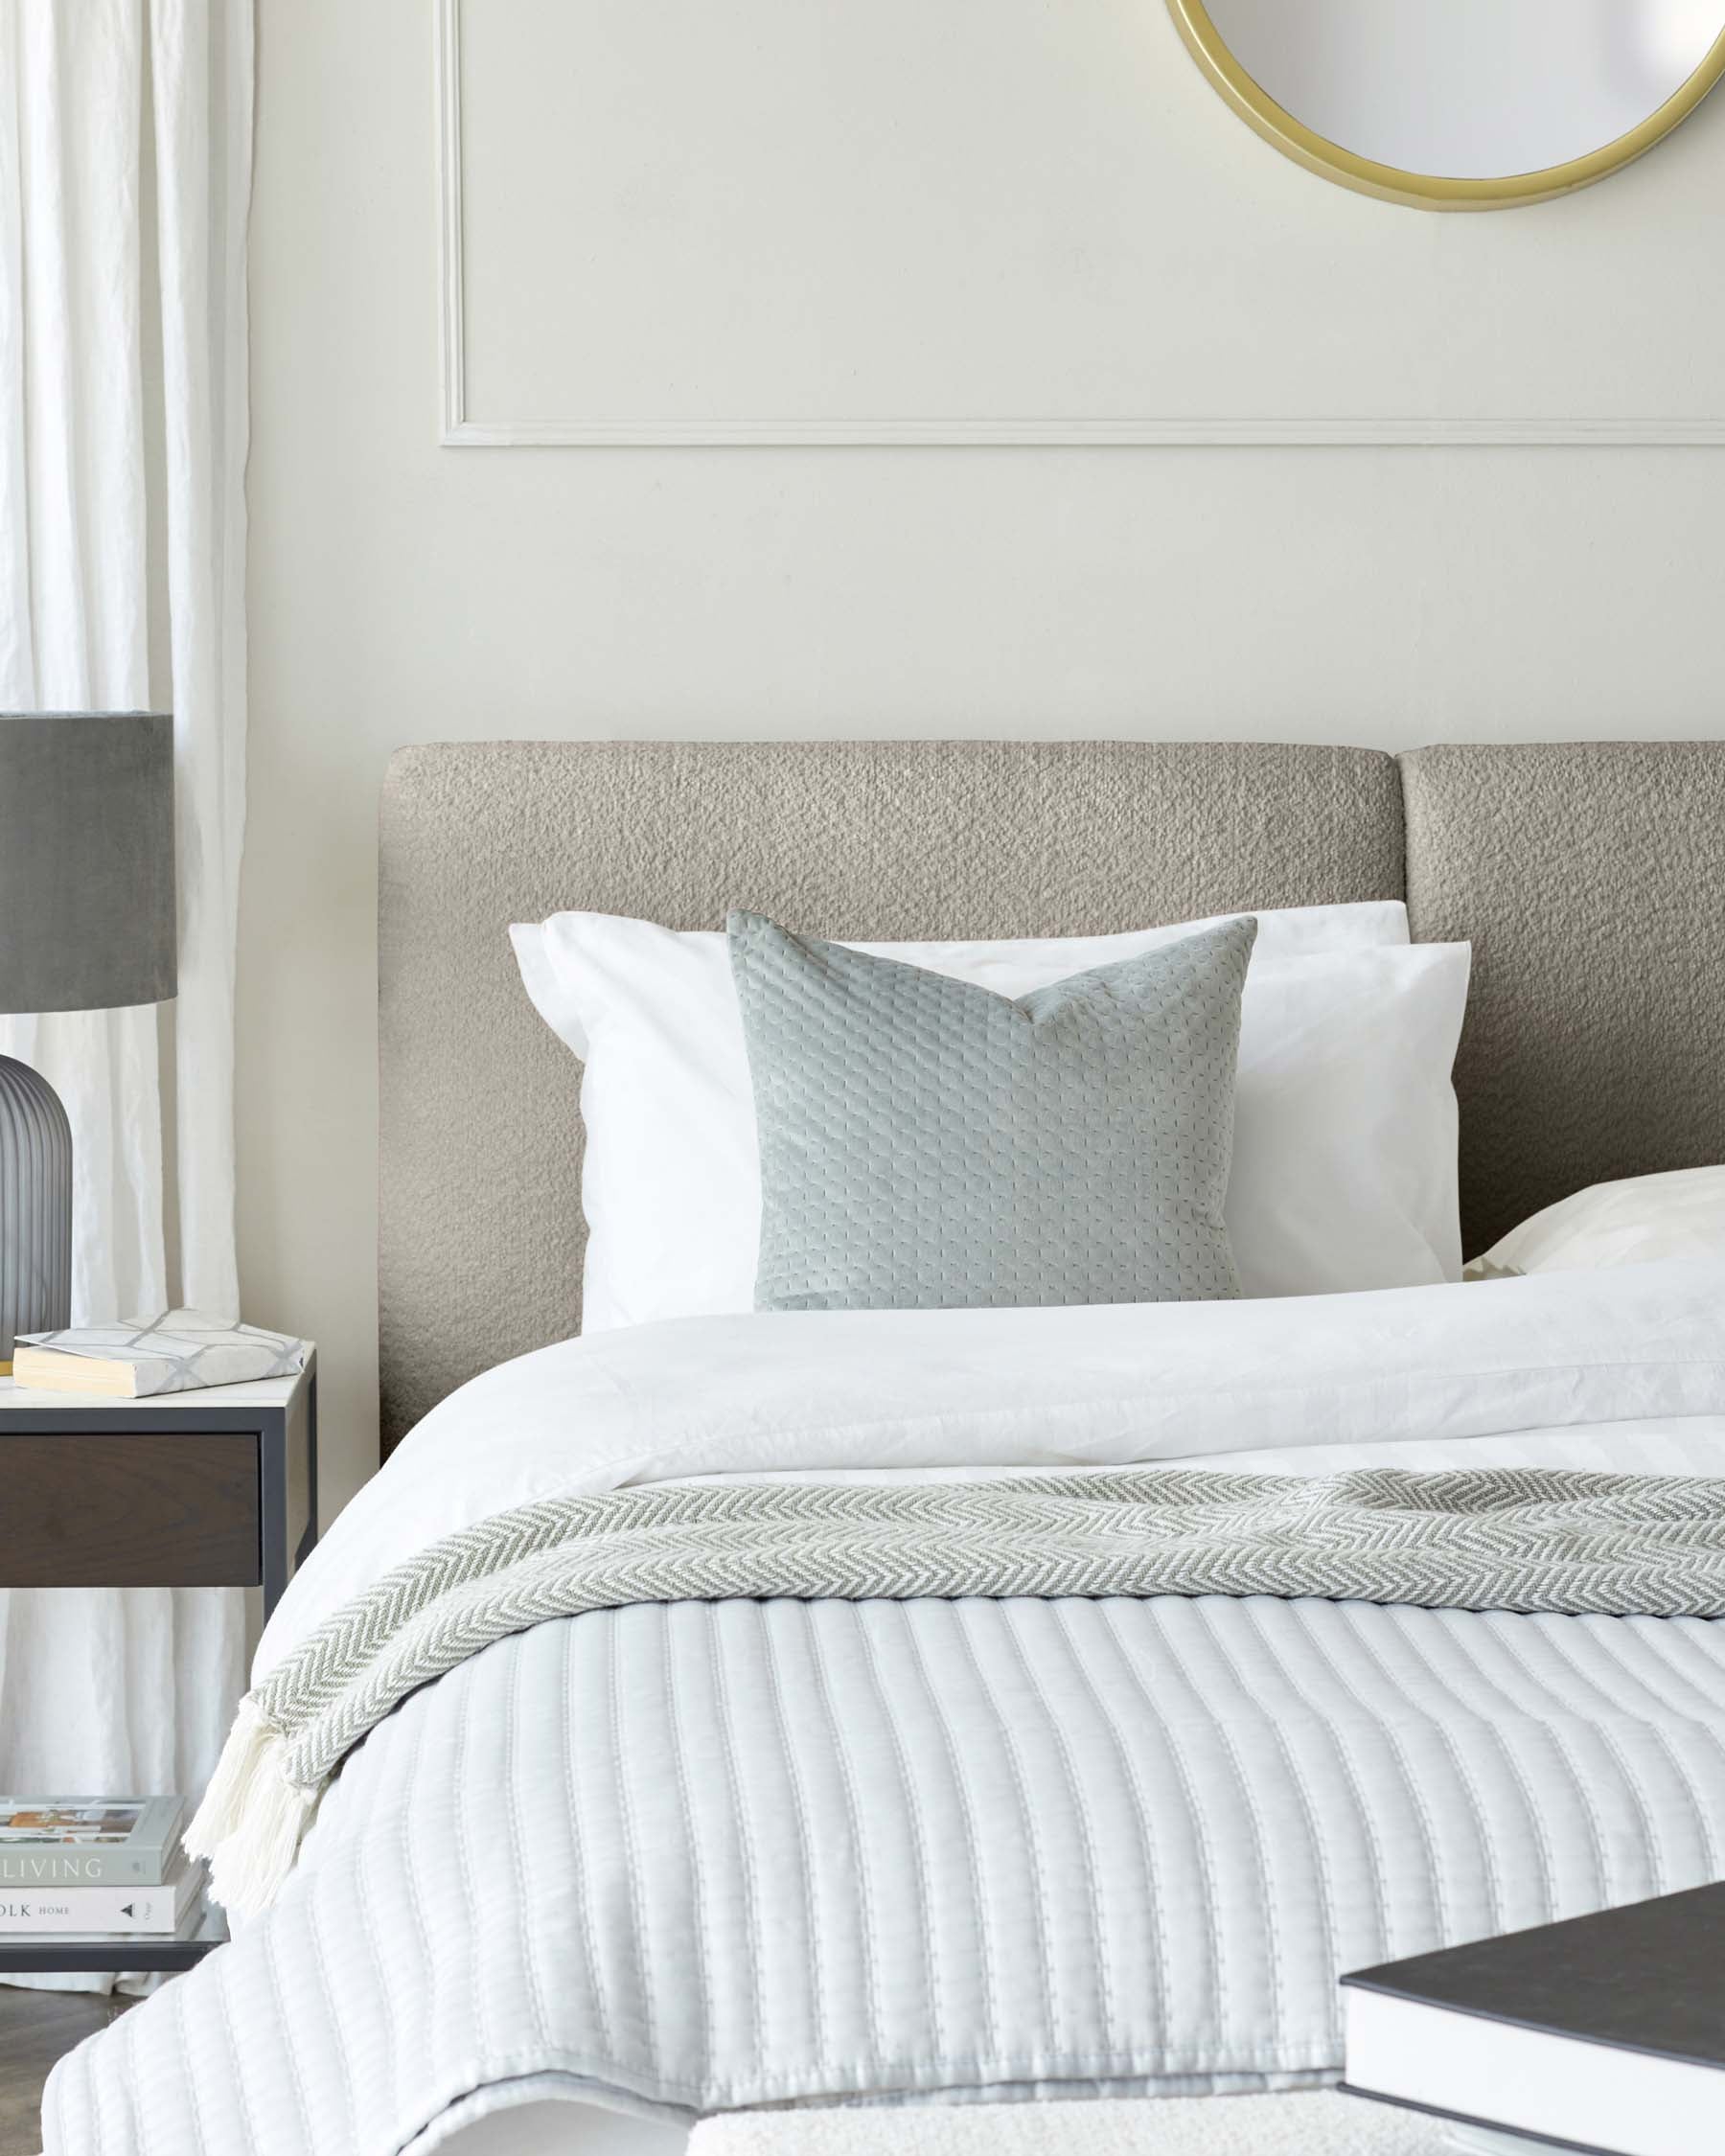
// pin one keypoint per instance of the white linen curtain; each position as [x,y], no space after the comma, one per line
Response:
[102,104]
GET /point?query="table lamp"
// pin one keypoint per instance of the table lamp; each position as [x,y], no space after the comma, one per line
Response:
[86,924]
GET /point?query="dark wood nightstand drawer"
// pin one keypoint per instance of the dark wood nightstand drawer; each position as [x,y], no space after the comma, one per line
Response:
[80,1509]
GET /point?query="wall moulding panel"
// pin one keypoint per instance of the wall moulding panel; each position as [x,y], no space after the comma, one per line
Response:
[813,224]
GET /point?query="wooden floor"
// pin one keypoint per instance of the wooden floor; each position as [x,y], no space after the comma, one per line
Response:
[36,2027]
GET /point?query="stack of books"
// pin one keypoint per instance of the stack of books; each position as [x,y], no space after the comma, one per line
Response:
[93,1869]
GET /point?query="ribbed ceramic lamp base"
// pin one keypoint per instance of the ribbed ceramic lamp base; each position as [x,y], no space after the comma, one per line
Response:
[35,1207]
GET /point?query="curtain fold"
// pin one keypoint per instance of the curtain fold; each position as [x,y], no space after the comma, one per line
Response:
[201,72]
[112,1690]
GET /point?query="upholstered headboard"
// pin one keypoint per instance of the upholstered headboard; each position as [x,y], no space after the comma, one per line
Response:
[1592,881]
[1590,877]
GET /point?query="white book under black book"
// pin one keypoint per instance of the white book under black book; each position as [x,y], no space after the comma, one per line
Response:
[84,1912]
[1602,2033]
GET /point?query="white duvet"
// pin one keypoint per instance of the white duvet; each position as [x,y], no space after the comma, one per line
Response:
[682,1859]
[847,1391]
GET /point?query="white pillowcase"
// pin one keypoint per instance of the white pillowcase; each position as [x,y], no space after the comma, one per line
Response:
[1344,1121]
[1636,1222]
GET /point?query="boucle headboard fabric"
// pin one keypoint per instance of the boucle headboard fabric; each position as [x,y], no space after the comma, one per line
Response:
[1590,880]
[1590,877]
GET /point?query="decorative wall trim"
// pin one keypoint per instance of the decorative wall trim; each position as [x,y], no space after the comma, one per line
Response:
[1238,432]
[1232,433]
[452,313]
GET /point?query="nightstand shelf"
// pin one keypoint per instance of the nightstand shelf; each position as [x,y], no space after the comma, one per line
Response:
[18,1955]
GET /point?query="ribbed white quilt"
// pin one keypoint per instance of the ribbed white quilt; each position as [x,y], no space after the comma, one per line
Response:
[691,1858]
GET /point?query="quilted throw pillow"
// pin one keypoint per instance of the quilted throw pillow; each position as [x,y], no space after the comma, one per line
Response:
[928,1144]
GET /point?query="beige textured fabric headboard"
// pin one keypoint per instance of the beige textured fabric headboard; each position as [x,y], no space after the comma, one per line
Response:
[1592,879]
[481,1232]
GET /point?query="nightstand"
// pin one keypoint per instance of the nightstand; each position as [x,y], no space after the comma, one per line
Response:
[212,1488]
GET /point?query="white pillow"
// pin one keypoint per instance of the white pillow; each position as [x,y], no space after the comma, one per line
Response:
[1344,1117]
[1636,1222]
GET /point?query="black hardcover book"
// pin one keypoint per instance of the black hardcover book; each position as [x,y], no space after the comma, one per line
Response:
[1604,2034]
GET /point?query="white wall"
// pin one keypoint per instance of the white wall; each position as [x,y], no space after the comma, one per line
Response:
[402,590]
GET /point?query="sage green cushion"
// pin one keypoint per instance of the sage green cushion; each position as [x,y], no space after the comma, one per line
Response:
[928,1144]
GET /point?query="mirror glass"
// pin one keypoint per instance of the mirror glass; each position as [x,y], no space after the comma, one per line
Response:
[1477,90]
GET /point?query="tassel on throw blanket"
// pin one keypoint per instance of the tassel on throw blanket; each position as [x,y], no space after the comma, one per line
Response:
[252,1816]
[1552,1541]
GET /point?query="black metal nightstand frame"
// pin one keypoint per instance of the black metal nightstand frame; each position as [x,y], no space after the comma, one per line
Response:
[281,1477]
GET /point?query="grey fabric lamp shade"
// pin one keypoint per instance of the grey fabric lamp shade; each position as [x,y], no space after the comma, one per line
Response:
[86,861]
[87,923]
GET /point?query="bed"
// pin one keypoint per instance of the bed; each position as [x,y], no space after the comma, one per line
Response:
[679,1857]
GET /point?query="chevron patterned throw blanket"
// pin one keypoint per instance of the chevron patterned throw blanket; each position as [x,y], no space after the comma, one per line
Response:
[1530,1540]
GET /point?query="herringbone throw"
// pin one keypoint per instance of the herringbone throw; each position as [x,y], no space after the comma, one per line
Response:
[1515,1539]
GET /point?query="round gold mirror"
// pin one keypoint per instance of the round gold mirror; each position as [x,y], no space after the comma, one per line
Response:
[1459,104]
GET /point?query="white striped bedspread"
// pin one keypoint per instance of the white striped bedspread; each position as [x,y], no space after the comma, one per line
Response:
[682,1859]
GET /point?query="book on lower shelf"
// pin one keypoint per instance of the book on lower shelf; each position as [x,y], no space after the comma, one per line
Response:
[88,1841]
[1602,2033]
[93,1913]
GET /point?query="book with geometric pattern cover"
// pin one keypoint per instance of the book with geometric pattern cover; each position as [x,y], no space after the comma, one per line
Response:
[174,1351]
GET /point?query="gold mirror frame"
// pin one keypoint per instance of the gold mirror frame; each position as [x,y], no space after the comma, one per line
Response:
[1423,190]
